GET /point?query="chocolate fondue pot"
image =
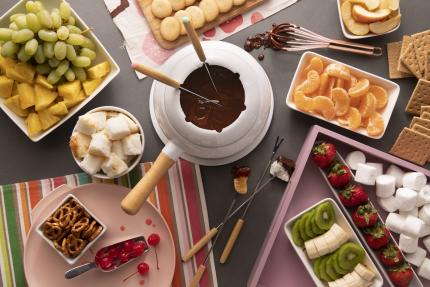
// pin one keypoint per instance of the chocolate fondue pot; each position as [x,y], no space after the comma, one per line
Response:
[202,142]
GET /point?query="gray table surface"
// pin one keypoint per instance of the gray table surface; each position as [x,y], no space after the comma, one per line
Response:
[24,160]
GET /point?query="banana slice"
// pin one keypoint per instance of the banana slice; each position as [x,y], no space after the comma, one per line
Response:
[364,272]
[311,249]
[321,246]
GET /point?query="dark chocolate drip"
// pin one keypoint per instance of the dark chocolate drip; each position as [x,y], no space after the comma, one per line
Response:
[287,163]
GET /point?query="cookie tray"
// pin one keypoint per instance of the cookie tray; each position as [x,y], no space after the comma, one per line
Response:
[277,262]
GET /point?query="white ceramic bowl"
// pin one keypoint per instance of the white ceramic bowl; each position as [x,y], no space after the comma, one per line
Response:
[349,35]
[133,164]
[71,261]
[102,55]
[392,88]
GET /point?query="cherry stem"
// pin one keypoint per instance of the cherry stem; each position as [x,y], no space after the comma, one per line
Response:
[156,257]
[129,276]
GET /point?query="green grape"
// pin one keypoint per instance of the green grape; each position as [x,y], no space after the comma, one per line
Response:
[22,55]
[75,39]
[21,21]
[39,56]
[31,47]
[70,75]
[80,73]
[71,52]
[5,34]
[88,44]
[53,63]
[71,20]
[47,35]
[43,69]
[62,67]
[65,10]
[39,5]
[31,7]
[62,33]
[9,49]
[44,19]
[82,62]
[13,26]
[60,50]
[14,16]
[48,50]
[88,53]
[53,77]
[73,29]
[33,23]
[22,36]
[56,18]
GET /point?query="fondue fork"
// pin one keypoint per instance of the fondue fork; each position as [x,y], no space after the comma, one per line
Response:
[197,47]
[156,75]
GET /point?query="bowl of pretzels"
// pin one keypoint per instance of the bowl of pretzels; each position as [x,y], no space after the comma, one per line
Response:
[71,229]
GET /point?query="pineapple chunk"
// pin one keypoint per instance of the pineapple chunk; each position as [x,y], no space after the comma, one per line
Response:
[22,72]
[73,102]
[44,97]
[41,80]
[13,104]
[91,85]
[59,109]
[6,87]
[69,90]
[26,95]
[47,119]
[34,126]
[99,71]
[6,63]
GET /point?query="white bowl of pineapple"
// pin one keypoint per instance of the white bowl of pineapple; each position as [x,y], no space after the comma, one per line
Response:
[51,65]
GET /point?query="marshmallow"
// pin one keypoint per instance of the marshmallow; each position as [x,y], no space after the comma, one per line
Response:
[414,180]
[395,222]
[131,124]
[117,149]
[397,173]
[132,144]
[425,213]
[100,119]
[365,174]
[354,158]
[88,124]
[417,257]
[426,242]
[413,212]
[407,198]
[91,164]
[425,231]
[79,144]
[114,166]
[424,270]
[100,145]
[423,196]
[385,185]
[389,204]
[117,128]
[413,226]
[277,170]
[379,167]
[408,244]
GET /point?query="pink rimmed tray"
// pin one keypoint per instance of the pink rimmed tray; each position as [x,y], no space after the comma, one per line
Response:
[277,262]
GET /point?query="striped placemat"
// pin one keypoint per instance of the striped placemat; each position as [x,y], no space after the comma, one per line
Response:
[179,196]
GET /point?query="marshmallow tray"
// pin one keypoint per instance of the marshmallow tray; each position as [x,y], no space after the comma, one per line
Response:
[277,262]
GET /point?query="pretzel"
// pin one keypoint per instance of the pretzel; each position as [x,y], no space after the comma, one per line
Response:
[87,233]
[64,248]
[98,230]
[80,226]
[75,245]
[63,210]
[52,230]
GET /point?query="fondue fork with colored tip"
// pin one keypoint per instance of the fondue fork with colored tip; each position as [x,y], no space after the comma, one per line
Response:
[197,47]
[156,75]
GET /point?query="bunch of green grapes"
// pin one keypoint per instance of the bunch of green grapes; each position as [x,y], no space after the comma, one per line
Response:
[51,41]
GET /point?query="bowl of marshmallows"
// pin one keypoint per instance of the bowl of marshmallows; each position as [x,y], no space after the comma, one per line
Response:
[107,142]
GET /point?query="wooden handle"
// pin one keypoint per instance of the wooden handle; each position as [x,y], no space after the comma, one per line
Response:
[156,75]
[138,195]
[198,276]
[200,244]
[231,241]
[194,38]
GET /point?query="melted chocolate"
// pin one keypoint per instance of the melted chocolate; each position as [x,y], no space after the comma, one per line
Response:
[276,38]
[231,97]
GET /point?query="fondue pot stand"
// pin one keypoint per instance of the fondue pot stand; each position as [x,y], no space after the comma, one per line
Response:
[186,140]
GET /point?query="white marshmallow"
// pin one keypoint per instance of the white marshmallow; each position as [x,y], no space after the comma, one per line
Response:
[408,244]
[132,144]
[114,166]
[407,198]
[87,124]
[379,167]
[354,158]
[79,144]
[413,212]
[131,124]
[423,196]
[277,170]
[395,222]
[424,270]
[413,226]
[100,119]
[426,242]
[385,185]
[414,180]
[117,128]
[417,257]
[100,145]
[397,173]
[365,174]
[425,231]
[389,204]
[91,164]
[424,213]
[117,149]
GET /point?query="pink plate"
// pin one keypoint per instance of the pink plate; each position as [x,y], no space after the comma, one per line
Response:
[44,267]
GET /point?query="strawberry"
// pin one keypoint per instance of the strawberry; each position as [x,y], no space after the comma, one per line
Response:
[400,275]
[323,154]
[391,255]
[353,195]
[377,236]
[365,215]
[339,175]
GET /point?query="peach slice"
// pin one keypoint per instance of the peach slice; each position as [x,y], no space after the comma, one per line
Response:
[312,82]
[360,14]
[324,84]
[303,102]
[376,125]
[381,96]
[370,4]
[352,119]
[315,64]
[338,71]
[354,27]
[367,105]
[340,98]
[324,106]
[393,5]
[360,89]
[385,26]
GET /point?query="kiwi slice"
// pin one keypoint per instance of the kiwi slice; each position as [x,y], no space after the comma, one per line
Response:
[324,215]
[302,227]
[329,269]
[336,266]
[295,232]
[316,267]
[308,226]
[315,227]
[349,255]
[322,269]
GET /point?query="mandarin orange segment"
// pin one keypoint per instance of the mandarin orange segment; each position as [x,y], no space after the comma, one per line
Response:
[360,89]
[364,122]
[351,83]
[355,102]
[352,119]
[339,83]
[302,102]
[376,125]
[338,71]
[341,101]
[367,105]
[316,64]
[324,106]
[312,82]
[324,82]
[381,96]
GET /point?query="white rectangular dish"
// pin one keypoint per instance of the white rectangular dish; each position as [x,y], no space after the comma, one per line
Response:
[342,222]
[392,88]
[102,55]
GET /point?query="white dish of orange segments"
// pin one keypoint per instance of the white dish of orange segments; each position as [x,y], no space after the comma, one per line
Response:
[392,88]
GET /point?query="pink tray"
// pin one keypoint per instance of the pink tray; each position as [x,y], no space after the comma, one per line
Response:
[277,264]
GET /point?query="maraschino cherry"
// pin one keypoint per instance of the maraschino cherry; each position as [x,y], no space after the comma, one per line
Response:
[154,240]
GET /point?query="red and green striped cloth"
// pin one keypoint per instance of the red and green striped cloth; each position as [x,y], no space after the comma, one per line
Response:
[179,196]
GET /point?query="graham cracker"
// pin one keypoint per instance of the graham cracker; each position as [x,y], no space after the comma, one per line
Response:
[420,129]
[425,115]
[421,122]
[393,53]
[427,68]
[410,60]
[424,109]
[420,96]
[413,146]
[400,66]
[421,45]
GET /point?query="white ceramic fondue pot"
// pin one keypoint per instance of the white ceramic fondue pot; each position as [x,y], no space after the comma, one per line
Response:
[186,140]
